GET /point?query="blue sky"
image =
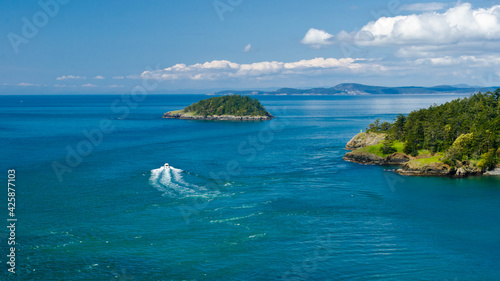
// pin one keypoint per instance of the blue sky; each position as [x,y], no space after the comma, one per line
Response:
[70,46]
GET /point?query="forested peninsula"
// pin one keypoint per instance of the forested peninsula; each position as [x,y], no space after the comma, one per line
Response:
[234,107]
[458,138]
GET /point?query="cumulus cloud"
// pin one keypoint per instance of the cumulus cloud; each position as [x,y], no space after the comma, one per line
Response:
[118,77]
[317,38]
[23,84]
[27,84]
[459,23]
[89,85]
[67,77]
[223,69]
[99,77]
[247,48]
[470,61]
[425,7]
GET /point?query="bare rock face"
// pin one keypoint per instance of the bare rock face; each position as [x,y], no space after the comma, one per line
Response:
[363,158]
[466,169]
[365,139]
[397,159]
[369,158]
[495,172]
[461,173]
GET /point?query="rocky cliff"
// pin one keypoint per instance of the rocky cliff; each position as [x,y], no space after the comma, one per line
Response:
[365,139]
[370,158]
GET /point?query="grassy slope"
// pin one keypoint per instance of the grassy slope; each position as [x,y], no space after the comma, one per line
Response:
[182,112]
[429,160]
[375,149]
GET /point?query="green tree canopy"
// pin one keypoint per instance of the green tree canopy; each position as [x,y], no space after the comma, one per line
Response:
[235,105]
[463,128]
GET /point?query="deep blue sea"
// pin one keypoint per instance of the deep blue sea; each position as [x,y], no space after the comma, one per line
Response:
[241,201]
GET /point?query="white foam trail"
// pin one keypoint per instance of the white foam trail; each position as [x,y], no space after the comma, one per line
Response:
[166,177]
[155,174]
[154,179]
[177,175]
[171,183]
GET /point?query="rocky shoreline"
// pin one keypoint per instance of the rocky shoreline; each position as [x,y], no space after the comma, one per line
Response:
[372,159]
[216,117]
[410,166]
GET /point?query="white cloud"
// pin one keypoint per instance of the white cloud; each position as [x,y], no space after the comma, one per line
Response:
[27,84]
[426,7]
[118,77]
[457,24]
[89,85]
[22,84]
[64,86]
[99,77]
[317,38]
[468,61]
[66,77]
[247,48]
[223,69]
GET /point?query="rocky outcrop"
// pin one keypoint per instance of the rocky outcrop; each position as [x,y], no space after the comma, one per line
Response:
[414,168]
[365,139]
[370,158]
[363,158]
[420,165]
[216,117]
[466,168]
[397,158]
[495,172]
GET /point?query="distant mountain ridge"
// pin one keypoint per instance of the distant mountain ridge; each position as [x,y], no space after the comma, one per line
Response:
[360,89]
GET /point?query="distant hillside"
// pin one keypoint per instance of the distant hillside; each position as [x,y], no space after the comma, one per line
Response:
[359,89]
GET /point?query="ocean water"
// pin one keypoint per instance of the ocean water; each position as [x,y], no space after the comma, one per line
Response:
[240,201]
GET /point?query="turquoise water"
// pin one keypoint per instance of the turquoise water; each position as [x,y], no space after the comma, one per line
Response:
[243,201]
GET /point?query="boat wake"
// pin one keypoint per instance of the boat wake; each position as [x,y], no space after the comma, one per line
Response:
[170,182]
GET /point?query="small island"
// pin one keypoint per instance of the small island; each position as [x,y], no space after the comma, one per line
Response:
[233,108]
[459,138]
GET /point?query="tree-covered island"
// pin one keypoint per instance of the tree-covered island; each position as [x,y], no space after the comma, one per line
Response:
[234,107]
[458,138]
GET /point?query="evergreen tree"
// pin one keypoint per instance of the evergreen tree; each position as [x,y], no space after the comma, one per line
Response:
[467,128]
[235,105]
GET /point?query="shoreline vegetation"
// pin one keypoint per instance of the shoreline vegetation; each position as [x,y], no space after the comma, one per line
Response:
[229,108]
[459,138]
